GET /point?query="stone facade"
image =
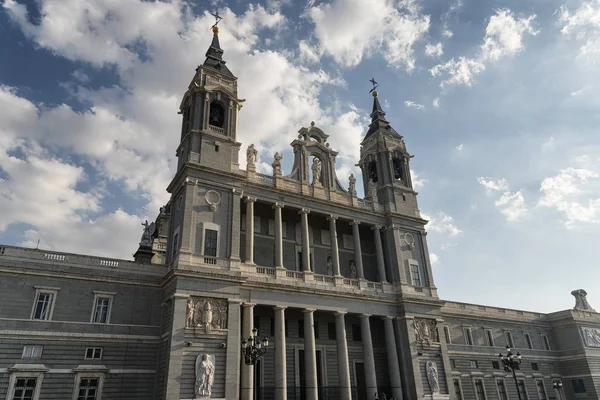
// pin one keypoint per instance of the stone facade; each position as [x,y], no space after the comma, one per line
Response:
[341,286]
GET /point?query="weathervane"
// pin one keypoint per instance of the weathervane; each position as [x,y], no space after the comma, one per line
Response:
[218,18]
[375,85]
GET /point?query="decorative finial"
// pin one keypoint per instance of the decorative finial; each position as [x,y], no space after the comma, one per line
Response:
[312,123]
[581,303]
[375,86]
[218,18]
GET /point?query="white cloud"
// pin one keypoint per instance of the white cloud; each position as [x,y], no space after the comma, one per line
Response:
[417,181]
[441,223]
[349,30]
[80,76]
[307,52]
[434,50]
[447,33]
[583,24]
[459,147]
[503,37]
[436,102]
[433,258]
[575,192]
[491,185]
[512,205]
[412,104]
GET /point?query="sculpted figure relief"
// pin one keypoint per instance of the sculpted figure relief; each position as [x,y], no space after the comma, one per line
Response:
[329,266]
[316,170]
[426,330]
[591,336]
[372,189]
[353,272]
[432,377]
[205,374]
[207,313]
[251,156]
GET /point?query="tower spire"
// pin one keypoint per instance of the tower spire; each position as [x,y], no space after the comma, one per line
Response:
[214,54]
[378,121]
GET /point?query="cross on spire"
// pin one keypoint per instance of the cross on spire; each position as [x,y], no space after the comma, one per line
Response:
[218,18]
[375,85]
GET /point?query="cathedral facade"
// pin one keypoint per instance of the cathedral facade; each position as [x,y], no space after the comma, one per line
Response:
[336,290]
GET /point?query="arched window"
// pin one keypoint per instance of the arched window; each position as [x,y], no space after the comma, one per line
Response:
[373,171]
[398,169]
[217,114]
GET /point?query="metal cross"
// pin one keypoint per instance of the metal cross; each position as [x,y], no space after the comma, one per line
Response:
[218,18]
[375,84]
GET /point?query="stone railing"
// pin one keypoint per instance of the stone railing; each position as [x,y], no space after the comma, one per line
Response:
[266,179]
[216,129]
[351,282]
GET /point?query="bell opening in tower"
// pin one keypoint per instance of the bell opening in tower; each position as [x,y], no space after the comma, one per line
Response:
[373,171]
[398,175]
[216,115]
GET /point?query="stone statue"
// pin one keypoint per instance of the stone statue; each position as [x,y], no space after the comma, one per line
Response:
[205,374]
[581,303]
[372,189]
[432,377]
[146,236]
[277,164]
[191,313]
[351,183]
[353,274]
[329,266]
[316,170]
[251,156]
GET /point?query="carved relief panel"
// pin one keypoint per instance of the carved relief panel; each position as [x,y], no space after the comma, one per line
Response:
[426,331]
[591,337]
[206,313]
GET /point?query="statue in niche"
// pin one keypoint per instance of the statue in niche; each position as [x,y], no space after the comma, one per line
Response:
[426,330]
[581,303]
[372,189]
[316,170]
[353,273]
[205,375]
[146,235]
[251,156]
[432,377]
[277,164]
[329,266]
[351,183]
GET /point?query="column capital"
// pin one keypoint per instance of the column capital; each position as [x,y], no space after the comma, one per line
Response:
[251,199]
[354,222]
[362,316]
[340,313]
[332,217]
[376,227]
[309,310]
[279,307]
[234,301]
[248,304]
[304,211]
[387,318]
[277,205]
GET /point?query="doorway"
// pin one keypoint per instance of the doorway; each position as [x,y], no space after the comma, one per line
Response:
[361,385]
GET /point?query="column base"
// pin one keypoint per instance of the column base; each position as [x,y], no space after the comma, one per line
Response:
[362,284]
[309,276]
[280,272]
[339,280]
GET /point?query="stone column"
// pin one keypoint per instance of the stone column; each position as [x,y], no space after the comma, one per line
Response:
[335,253]
[370,377]
[280,361]
[379,253]
[278,235]
[310,355]
[392,357]
[250,230]
[234,338]
[247,389]
[175,363]
[305,240]
[357,250]
[342,352]
[234,252]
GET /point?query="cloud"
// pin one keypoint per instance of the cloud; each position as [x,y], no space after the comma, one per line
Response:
[349,30]
[512,205]
[436,102]
[433,258]
[441,223]
[574,192]
[417,181]
[459,147]
[412,104]
[447,33]
[503,37]
[491,185]
[582,24]
[307,52]
[434,50]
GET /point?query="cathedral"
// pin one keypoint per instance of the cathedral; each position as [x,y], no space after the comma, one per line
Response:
[279,286]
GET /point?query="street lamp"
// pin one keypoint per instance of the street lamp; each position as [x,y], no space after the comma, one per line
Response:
[511,362]
[254,348]
[557,385]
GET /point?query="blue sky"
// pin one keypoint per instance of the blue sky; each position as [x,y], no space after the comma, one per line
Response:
[496,100]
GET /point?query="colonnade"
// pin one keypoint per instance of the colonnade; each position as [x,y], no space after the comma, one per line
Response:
[335,257]
[310,359]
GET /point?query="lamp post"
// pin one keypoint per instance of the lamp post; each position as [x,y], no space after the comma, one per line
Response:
[557,385]
[254,348]
[511,362]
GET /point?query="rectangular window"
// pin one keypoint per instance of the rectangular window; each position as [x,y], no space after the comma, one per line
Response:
[356,333]
[578,386]
[535,366]
[24,389]
[447,334]
[93,353]
[479,389]
[453,363]
[300,328]
[545,342]
[474,364]
[43,306]
[416,277]
[541,390]
[210,242]
[496,364]
[489,337]
[32,352]
[174,248]
[468,336]
[101,310]
[528,341]
[501,390]
[509,339]
[331,333]
[88,389]
[522,390]
[457,391]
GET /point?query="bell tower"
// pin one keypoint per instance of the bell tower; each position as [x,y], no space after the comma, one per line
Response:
[209,111]
[385,165]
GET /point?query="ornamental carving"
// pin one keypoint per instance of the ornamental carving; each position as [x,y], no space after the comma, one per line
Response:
[206,313]
[426,330]
[591,337]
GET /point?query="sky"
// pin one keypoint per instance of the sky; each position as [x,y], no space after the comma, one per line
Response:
[496,99]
